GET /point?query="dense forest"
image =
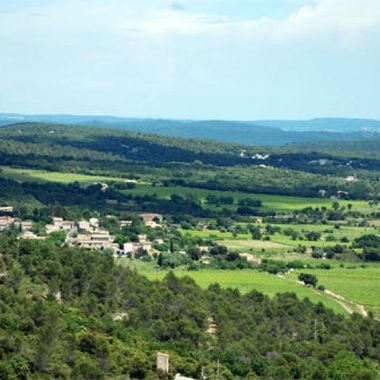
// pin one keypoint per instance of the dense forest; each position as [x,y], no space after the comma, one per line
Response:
[67,313]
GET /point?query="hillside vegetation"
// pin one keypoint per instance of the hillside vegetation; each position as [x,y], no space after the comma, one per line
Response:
[191,163]
[67,313]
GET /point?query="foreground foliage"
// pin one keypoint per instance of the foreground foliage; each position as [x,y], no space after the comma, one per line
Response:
[67,313]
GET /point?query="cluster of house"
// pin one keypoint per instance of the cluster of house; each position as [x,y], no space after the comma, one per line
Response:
[87,233]
[91,236]
[6,222]
[24,226]
[151,220]
[59,224]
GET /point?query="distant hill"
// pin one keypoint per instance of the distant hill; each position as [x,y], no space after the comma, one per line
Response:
[364,147]
[265,133]
[324,124]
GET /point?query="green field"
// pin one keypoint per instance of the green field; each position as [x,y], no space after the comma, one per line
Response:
[244,280]
[360,285]
[47,176]
[280,240]
[214,234]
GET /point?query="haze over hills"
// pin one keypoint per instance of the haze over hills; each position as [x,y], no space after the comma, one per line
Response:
[324,124]
[267,132]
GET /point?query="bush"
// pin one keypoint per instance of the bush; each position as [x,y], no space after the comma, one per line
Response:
[308,279]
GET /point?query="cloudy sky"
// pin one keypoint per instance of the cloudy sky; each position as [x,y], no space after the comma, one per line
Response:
[226,59]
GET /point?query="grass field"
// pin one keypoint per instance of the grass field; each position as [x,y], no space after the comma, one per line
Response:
[245,281]
[59,177]
[213,234]
[360,285]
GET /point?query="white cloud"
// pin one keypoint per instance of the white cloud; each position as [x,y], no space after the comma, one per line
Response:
[329,23]
[120,56]
[342,21]
[345,22]
[168,22]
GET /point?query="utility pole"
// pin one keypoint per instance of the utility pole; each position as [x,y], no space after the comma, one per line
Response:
[315,329]
[157,267]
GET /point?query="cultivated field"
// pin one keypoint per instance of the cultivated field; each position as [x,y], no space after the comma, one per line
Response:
[282,241]
[355,283]
[244,280]
[357,287]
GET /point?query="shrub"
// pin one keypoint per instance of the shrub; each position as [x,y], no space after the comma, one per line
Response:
[308,279]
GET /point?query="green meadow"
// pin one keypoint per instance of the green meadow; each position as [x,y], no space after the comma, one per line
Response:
[355,283]
[33,175]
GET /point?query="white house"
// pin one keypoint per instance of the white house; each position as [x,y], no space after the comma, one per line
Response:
[6,209]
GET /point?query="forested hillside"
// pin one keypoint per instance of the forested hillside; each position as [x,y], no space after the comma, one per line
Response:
[188,162]
[67,313]
[368,148]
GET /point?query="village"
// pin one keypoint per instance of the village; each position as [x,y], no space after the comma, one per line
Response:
[87,234]
[91,234]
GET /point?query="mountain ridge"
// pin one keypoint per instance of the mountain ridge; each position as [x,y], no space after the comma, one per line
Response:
[265,133]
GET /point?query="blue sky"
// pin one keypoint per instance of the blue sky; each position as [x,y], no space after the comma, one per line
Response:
[201,59]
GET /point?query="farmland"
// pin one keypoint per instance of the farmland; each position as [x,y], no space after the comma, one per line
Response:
[244,241]
[358,285]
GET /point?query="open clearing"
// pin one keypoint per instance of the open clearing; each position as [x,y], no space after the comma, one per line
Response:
[252,244]
[59,177]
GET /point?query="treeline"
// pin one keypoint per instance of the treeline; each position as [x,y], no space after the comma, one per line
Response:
[67,313]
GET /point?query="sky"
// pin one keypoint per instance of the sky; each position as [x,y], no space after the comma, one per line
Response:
[191,59]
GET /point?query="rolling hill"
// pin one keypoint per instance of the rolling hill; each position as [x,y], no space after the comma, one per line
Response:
[265,133]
